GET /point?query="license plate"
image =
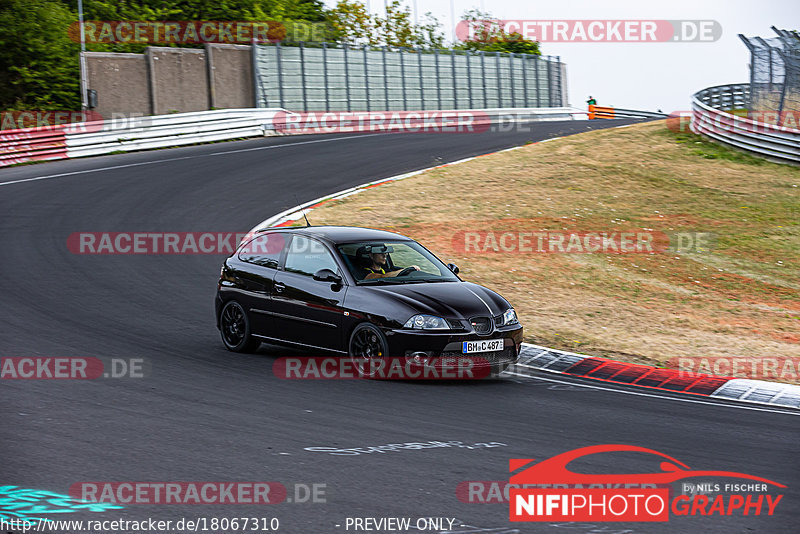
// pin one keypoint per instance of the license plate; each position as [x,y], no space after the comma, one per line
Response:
[486,345]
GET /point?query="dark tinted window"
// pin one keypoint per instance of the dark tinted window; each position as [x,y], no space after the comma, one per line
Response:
[307,256]
[400,254]
[263,250]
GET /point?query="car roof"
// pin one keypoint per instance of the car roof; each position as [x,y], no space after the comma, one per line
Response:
[342,234]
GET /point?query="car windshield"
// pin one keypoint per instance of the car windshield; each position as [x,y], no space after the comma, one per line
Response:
[393,262]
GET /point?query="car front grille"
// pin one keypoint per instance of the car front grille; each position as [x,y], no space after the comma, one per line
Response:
[507,355]
[482,325]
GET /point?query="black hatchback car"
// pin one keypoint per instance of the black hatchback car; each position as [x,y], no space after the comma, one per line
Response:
[359,292]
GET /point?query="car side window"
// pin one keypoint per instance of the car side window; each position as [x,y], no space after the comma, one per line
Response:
[404,255]
[264,250]
[307,256]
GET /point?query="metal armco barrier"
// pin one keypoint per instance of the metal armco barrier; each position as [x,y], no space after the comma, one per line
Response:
[711,118]
[600,112]
[22,146]
[129,134]
[162,131]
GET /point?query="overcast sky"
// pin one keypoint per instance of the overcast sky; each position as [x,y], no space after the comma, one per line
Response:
[639,75]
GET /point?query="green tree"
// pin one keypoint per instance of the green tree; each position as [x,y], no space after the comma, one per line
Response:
[311,10]
[429,33]
[175,10]
[38,61]
[397,29]
[353,23]
[489,36]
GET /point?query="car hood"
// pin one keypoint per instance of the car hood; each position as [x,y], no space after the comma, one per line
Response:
[448,299]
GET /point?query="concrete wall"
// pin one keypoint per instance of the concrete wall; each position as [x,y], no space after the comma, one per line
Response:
[179,79]
[121,81]
[168,80]
[231,76]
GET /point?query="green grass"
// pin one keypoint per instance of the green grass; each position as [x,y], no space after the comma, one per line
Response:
[700,146]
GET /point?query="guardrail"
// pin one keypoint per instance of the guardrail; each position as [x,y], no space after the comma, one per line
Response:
[129,134]
[602,112]
[161,131]
[711,118]
[19,146]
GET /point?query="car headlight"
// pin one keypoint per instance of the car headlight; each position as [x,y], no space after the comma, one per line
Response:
[427,322]
[510,317]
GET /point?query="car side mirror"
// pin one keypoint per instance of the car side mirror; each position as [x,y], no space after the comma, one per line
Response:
[326,275]
[453,267]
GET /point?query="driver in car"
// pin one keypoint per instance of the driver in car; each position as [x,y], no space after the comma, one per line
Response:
[377,265]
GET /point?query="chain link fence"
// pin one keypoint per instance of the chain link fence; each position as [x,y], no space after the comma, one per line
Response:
[333,77]
[775,75]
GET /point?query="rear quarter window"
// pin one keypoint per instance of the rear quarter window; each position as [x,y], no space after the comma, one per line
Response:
[264,250]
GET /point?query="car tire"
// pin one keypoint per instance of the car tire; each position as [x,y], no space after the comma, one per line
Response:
[367,344]
[234,328]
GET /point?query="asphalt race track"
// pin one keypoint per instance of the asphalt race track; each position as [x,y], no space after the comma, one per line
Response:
[204,414]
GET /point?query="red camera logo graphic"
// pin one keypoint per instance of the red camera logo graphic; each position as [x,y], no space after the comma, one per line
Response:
[621,504]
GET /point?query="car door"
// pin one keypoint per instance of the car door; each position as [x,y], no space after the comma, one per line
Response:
[308,311]
[259,260]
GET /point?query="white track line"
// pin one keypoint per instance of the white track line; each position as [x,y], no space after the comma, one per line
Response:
[297,143]
[86,171]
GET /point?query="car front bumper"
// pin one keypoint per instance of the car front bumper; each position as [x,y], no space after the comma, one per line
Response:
[427,345]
